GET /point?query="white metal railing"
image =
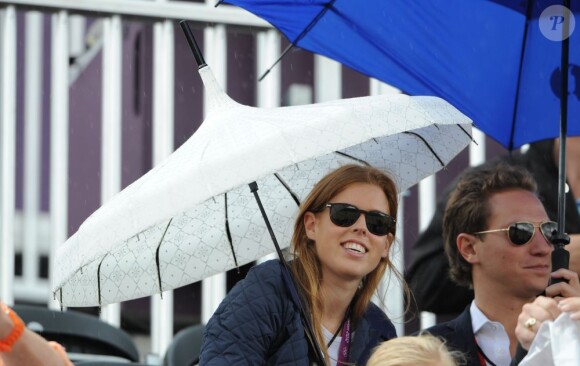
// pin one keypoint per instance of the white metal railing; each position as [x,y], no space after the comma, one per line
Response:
[163,14]
[213,289]
[7,148]
[32,127]
[163,84]
[59,128]
[111,128]
[393,304]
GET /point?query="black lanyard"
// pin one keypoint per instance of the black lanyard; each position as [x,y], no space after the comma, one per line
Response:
[338,330]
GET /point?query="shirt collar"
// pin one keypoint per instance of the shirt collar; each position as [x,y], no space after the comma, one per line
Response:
[478,318]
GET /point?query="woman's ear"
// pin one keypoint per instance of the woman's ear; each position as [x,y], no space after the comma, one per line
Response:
[310,225]
[467,248]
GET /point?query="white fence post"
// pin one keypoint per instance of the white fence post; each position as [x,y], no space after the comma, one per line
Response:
[327,79]
[477,151]
[390,291]
[59,129]
[267,50]
[163,134]
[268,91]
[427,204]
[32,146]
[7,150]
[213,289]
[111,128]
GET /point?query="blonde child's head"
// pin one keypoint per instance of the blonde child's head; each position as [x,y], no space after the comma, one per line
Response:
[423,350]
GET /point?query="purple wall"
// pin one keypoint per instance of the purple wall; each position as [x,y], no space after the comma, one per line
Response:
[84,145]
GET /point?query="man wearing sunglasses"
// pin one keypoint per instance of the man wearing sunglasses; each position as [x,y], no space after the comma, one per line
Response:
[497,240]
[427,274]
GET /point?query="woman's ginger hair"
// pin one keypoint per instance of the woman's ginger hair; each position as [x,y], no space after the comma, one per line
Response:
[423,350]
[306,267]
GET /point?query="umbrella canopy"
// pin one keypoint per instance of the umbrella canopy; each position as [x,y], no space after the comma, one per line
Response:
[194,215]
[493,60]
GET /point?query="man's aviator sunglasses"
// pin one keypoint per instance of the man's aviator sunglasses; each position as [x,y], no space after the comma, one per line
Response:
[520,233]
[345,215]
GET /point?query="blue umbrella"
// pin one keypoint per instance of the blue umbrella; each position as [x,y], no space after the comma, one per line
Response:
[499,62]
[490,59]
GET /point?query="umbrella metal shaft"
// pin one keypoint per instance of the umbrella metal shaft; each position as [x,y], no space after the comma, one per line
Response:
[289,280]
[560,256]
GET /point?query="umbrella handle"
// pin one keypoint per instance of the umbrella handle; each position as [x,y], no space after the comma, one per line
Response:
[560,256]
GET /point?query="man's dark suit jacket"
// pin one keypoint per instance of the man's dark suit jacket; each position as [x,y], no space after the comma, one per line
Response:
[458,335]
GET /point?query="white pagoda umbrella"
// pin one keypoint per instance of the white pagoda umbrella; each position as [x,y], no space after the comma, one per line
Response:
[193,215]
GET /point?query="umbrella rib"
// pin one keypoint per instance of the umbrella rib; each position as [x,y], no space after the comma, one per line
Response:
[467,133]
[254,190]
[302,34]
[290,46]
[283,182]
[99,280]
[229,234]
[61,307]
[352,157]
[157,258]
[313,22]
[428,146]
[517,98]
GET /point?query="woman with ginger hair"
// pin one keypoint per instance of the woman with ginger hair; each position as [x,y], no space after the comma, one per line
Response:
[341,241]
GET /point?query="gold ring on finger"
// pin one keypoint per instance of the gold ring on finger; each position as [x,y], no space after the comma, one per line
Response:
[530,322]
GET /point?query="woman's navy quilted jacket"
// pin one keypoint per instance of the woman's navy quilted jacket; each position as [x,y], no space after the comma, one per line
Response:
[258,324]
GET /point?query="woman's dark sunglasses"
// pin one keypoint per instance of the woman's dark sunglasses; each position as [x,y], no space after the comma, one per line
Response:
[520,233]
[345,215]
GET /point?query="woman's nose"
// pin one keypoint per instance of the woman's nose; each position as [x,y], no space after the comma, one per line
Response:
[360,224]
